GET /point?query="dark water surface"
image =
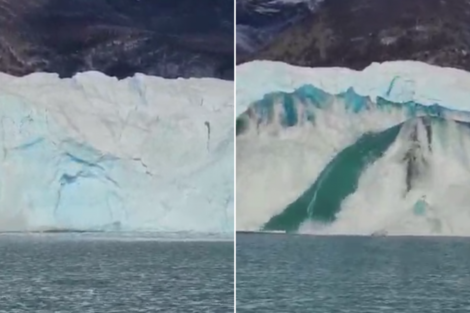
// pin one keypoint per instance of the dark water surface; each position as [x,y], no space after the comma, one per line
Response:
[291,273]
[76,273]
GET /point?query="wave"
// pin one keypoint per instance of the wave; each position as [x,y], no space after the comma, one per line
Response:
[313,162]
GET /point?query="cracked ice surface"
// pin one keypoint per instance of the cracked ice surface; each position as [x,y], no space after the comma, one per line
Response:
[95,153]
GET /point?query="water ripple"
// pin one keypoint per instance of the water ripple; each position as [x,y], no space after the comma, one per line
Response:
[354,275]
[59,274]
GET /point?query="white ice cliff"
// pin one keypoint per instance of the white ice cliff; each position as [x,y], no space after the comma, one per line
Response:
[277,163]
[95,153]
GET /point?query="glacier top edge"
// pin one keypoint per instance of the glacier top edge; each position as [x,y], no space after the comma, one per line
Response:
[100,93]
[396,81]
[99,75]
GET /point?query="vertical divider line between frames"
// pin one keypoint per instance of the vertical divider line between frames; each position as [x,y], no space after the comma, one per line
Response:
[234,156]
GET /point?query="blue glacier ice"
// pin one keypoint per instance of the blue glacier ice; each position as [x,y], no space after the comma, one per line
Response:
[293,108]
[95,153]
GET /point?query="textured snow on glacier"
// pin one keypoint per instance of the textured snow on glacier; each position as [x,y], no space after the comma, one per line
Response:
[397,81]
[92,152]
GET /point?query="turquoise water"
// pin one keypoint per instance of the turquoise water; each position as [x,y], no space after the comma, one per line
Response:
[79,274]
[338,180]
[293,273]
[419,208]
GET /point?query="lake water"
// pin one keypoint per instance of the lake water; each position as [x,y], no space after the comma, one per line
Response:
[97,273]
[293,273]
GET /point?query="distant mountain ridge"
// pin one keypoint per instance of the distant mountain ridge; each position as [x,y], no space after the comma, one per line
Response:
[355,33]
[168,38]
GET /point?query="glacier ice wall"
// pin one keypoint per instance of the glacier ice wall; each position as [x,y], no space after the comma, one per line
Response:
[276,162]
[95,153]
